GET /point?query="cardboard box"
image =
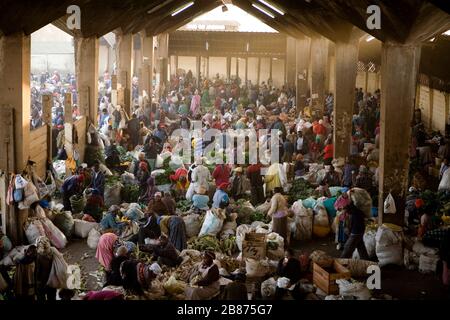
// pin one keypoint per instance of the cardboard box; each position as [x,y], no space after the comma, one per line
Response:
[326,281]
[254,246]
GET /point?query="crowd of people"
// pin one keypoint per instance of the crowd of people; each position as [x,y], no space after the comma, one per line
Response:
[303,141]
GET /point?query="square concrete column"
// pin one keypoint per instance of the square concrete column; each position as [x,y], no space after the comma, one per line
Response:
[162,61]
[86,66]
[15,119]
[399,67]
[291,58]
[146,82]
[198,62]
[15,91]
[125,67]
[303,57]
[228,67]
[346,69]
[319,64]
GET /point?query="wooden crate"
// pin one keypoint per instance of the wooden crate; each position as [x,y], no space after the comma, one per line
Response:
[326,281]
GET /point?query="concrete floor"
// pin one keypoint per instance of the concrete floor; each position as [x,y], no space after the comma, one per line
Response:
[396,281]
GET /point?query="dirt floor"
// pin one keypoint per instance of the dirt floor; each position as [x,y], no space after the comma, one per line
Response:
[396,281]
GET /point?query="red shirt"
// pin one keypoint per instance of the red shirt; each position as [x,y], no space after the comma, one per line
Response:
[328,151]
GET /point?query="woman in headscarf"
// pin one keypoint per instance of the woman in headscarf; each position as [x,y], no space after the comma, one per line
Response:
[157,206]
[93,209]
[180,178]
[207,273]
[278,213]
[150,191]
[138,276]
[113,278]
[195,103]
[105,250]
[143,176]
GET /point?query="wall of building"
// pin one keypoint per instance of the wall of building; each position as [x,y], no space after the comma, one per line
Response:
[38,149]
[434,107]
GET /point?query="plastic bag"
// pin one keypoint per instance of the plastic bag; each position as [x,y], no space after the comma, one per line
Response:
[82,228]
[176,162]
[20,182]
[93,238]
[58,274]
[56,237]
[241,231]
[389,248]
[389,204]
[213,223]
[268,288]
[193,225]
[64,222]
[159,162]
[356,289]
[362,200]
[112,195]
[256,268]
[30,196]
[278,253]
[173,286]
[34,230]
[428,263]
[77,203]
[309,203]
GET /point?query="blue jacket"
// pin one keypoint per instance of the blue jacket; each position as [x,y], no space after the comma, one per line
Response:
[98,182]
[109,222]
[219,196]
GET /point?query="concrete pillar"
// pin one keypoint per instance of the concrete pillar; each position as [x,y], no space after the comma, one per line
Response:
[198,62]
[246,70]
[319,57]
[290,60]
[346,69]
[15,91]
[207,67]
[259,72]
[303,55]
[15,126]
[399,67]
[146,83]
[162,57]
[86,66]
[68,128]
[228,67]
[124,58]
[47,104]
[237,67]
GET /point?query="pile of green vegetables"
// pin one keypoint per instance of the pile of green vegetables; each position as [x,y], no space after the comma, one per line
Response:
[111,180]
[130,193]
[259,216]
[164,178]
[204,243]
[184,205]
[435,202]
[301,189]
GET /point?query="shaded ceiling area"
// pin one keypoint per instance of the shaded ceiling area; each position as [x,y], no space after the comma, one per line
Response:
[403,21]
[333,19]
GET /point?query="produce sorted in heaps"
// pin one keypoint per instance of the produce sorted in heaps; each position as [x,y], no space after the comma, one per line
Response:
[130,193]
[301,189]
[204,243]
[111,180]
[184,205]
[229,246]
[259,216]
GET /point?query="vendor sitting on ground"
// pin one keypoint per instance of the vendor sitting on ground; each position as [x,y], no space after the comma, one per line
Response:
[138,276]
[200,200]
[109,222]
[221,195]
[113,277]
[322,190]
[157,206]
[150,228]
[181,182]
[93,208]
[288,267]
[164,252]
[332,178]
[170,203]
[141,158]
[208,284]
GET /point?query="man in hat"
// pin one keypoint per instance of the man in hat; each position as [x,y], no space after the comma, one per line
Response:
[208,272]
[109,222]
